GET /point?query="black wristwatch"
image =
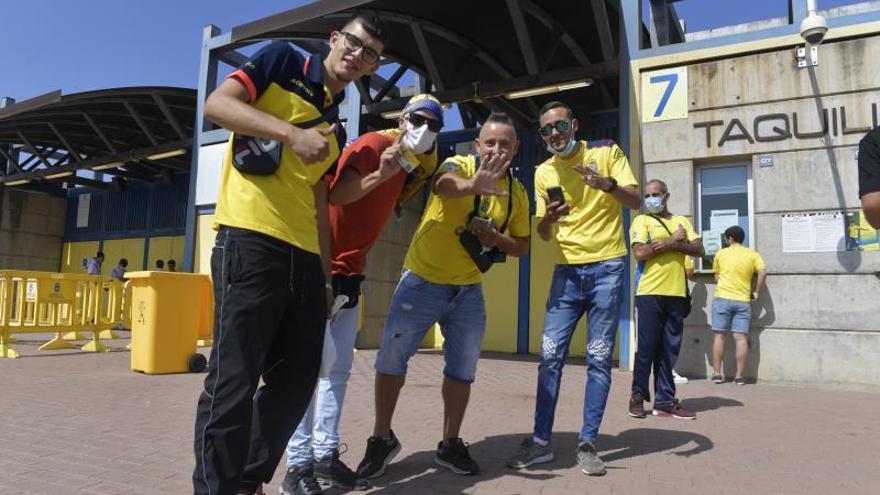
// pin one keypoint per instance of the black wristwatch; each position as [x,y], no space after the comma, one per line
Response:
[613,185]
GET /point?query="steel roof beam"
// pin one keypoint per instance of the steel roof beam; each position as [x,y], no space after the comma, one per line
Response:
[12,161]
[522,35]
[70,149]
[99,133]
[169,116]
[600,14]
[30,148]
[425,51]
[499,88]
[140,122]
[125,157]
[391,83]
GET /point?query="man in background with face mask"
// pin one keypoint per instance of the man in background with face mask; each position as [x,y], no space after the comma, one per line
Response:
[441,284]
[596,181]
[375,173]
[270,264]
[660,243]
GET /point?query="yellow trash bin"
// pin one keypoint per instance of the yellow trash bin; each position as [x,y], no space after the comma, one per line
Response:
[169,312]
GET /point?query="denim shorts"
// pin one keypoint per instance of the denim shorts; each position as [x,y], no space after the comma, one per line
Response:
[416,306]
[730,315]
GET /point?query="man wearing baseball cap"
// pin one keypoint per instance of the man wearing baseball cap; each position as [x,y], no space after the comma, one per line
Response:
[377,172]
[456,241]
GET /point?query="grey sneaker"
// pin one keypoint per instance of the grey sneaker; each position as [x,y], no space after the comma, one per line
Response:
[530,453]
[589,460]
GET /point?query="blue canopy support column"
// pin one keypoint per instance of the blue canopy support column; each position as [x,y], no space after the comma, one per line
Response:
[207,83]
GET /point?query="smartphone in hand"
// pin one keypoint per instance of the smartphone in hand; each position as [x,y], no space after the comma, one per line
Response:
[555,195]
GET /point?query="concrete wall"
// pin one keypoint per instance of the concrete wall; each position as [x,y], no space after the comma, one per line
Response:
[819,320]
[31,231]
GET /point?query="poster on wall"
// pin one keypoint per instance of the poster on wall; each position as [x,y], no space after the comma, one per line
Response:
[721,220]
[860,236]
[711,241]
[82,210]
[820,232]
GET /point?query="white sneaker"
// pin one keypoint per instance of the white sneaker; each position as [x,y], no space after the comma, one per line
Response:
[678,378]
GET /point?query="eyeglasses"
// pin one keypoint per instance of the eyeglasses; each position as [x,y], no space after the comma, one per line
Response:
[419,120]
[559,125]
[353,44]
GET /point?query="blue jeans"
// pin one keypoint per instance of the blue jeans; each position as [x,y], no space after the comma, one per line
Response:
[416,306]
[659,327]
[318,432]
[597,290]
[730,315]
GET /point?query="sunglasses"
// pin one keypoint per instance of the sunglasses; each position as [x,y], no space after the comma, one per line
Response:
[419,120]
[353,44]
[559,125]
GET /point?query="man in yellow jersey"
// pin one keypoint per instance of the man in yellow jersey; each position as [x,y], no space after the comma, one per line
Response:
[734,267]
[270,284]
[660,242]
[441,284]
[585,219]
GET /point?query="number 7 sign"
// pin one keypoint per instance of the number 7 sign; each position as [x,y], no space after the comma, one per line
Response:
[664,95]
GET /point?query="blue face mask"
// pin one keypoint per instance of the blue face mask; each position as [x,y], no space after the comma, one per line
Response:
[654,205]
[566,151]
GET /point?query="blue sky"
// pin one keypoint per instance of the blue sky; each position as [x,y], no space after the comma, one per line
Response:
[81,45]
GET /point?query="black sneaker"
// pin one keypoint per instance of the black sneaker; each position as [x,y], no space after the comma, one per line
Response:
[456,458]
[379,454]
[300,480]
[332,472]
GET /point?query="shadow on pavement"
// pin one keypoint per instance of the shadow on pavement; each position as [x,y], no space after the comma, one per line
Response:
[418,471]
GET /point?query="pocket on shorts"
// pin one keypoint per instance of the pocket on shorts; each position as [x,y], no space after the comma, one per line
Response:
[412,281]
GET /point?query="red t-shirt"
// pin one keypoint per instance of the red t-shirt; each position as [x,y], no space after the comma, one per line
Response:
[355,227]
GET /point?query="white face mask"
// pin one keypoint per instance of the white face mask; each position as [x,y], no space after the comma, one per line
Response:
[418,139]
[565,151]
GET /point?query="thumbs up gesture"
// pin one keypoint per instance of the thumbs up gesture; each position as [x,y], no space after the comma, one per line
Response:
[311,144]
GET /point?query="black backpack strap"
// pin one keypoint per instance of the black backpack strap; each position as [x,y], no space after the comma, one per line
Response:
[662,223]
[329,114]
[478,199]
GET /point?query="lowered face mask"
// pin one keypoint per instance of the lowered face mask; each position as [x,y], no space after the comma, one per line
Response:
[565,151]
[418,139]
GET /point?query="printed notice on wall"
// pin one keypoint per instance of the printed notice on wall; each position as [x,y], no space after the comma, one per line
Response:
[721,220]
[82,210]
[813,233]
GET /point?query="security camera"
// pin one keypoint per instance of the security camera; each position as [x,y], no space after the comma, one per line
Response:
[813,29]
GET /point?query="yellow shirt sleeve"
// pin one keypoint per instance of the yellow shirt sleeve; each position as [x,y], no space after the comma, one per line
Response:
[620,169]
[540,193]
[715,261]
[519,217]
[689,229]
[638,232]
[759,262]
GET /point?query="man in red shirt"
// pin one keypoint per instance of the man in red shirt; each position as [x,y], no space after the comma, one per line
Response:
[378,171]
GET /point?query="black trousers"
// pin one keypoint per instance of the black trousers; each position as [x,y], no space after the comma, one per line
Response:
[659,326]
[269,317]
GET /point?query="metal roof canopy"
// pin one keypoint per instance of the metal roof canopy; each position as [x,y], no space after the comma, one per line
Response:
[139,133]
[469,52]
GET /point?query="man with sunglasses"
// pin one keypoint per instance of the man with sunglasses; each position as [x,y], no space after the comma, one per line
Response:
[441,284]
[585,219]
[271,282]
[378,171]
[660,241]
